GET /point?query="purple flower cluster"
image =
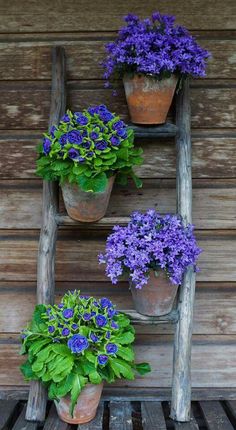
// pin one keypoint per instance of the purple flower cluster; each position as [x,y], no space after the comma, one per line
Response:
[156,47]
[150,241]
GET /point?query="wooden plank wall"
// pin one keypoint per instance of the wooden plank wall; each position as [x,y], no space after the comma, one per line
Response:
[28,30]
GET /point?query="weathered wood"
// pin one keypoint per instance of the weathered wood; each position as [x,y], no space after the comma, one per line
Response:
[164,130]
[18,196]
[213,155]
[231,406]
[7,408]
[181,386]
[152,416]
[22,424]
[215,416]
[97,422]
[157,350]
[54,17]
[120,416]
[137,318]
[214,309]
[23,59]
[19,253]
[36,407]
[53,422]
[26,105]
[191,425]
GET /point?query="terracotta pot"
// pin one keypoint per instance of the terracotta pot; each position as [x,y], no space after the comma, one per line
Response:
[85,408]
[157,297]
[149,99]
[83,206]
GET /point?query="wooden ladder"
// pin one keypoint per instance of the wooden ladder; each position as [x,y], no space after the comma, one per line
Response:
[51,219]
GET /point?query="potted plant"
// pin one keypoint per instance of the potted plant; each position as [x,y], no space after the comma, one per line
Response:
[151,55]
[86,152]
[155,251]
[74,347]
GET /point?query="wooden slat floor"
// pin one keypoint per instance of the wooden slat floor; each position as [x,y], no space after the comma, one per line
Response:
[126,415]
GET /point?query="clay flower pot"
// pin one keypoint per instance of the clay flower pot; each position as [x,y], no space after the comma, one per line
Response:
[148,99]
[157,297]
[85,408]
[83,206]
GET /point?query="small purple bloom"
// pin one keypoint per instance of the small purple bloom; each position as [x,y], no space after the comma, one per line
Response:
[74,326]
[65,118]
[105,303]
[106,116]
[114,325]
[93,110]
[48,311]
[117,125]
[122,133]
[63,139]
[86,144]
[111,348]
[115,141]
[51,329]
[65,332]
[90,154]
[86,316]
[102,359]
[73,153]
[111,313]
[75,137]
[68,313]
[60,306]
[46,145]
[93,337]
[101,320]
[78,343]
[101,145]
[81,119]
[93,135]
[108,335]
[52,131]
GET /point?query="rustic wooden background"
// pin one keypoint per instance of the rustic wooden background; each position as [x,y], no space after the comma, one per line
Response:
[28,30]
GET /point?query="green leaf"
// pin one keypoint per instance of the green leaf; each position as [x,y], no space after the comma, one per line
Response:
[27,371]
[136,180]
[38,345]
[125,338]
[142,368]
[123,154]
[65,386]
[52,391]
[37,319]
[77,385]
[96,184]
[90,356]
[121,368]
[125,353]
[95,378]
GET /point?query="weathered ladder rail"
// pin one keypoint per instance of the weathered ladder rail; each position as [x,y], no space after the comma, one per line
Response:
[52,219]
[36,406]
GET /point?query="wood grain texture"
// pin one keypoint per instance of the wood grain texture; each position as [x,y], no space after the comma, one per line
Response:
[214,202]
[97,422]
[77,252]
[156,349]
[215,416]
[67,17]
[53,422]
[214,309]
[30,60]
[7,408]
[120,416]
[152,416]
[21,422]
[213,153]
[25,104]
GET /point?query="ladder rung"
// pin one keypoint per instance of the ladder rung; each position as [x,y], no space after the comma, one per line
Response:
[164,130]
[63,219]
[136,318]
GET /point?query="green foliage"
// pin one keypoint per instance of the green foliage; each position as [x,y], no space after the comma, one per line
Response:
[65,367]
[88,154]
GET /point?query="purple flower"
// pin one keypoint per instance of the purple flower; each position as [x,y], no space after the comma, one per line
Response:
[101,145]
[102,359]
[63,139]
[106,116]
[101,320]
[75,137]
[74,326]
[90,154]
[93,110]
[108,335]
[60,306]
[115,141]
[51,329]
[93,337]
[118,125]
[73,154]
[105,303]
[86,316]
[121,132]
[81,119]
[68,313]
[65,332]
[65,118]
[46,145]
[78,343]
[114,325]
[111,313]
[111,348]
[93,135]
[150,241]
[52,131]
[86,145]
